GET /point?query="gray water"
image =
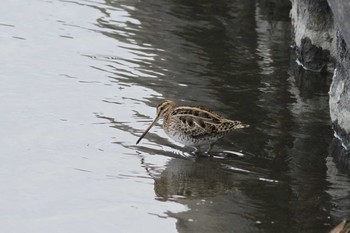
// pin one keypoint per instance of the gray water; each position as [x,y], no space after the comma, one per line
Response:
[80,81]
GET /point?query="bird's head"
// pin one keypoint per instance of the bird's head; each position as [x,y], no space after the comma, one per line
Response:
[163,109]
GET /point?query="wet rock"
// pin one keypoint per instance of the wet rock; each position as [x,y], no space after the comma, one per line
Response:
[341,13]
[342,227]
[313,57]
[314,34]
[322,39]
[339,95]
[340,154]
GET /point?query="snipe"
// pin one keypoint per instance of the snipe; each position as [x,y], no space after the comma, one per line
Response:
[193,126]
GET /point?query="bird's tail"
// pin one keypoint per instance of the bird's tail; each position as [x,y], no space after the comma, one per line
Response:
[240,125]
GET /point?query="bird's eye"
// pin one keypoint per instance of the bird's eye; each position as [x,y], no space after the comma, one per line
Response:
[161,109]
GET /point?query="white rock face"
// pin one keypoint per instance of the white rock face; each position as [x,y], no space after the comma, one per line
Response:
[339,100]
[304,28]
[339,94]
[314,34]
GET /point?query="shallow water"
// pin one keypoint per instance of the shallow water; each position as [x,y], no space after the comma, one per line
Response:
[79,84]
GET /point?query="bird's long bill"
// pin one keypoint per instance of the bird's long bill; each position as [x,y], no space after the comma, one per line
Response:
[149,127]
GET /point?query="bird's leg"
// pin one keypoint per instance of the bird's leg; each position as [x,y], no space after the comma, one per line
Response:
[208,150]
[210,147]
[203,151]
[197,150]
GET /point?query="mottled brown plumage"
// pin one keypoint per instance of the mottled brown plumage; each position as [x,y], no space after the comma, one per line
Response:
[193,126]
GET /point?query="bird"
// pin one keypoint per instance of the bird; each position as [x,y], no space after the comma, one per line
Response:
[193,126]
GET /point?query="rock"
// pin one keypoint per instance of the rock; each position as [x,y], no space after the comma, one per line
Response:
[342,227]
[339,95]
[322,39]
[314,34]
